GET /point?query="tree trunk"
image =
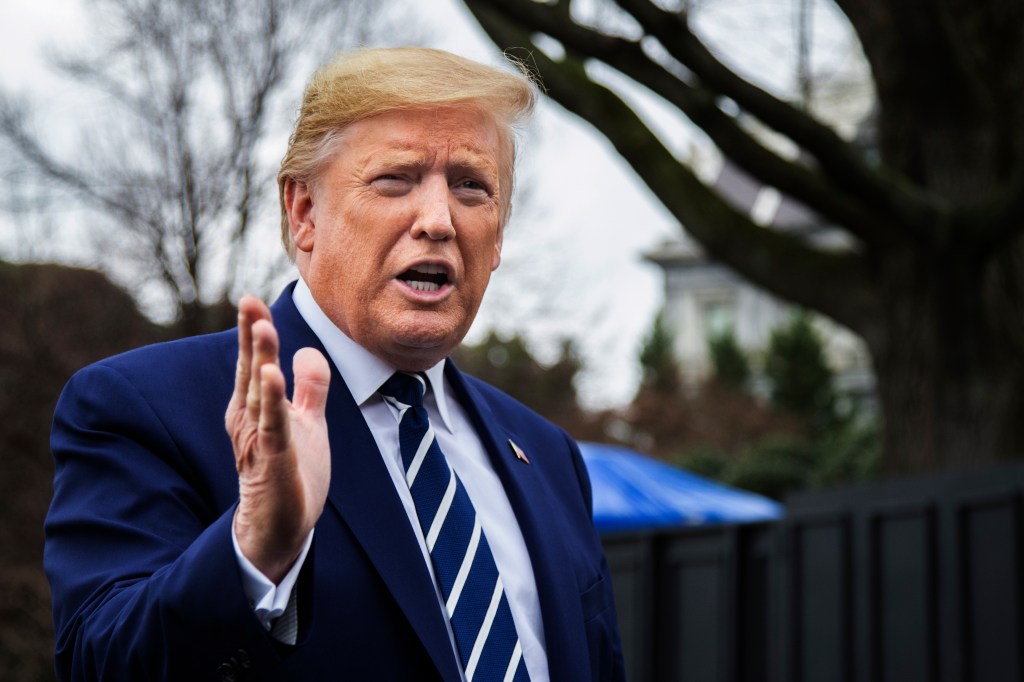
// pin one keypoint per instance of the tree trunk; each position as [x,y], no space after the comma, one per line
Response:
[935,283]
[950,364]
[949,370]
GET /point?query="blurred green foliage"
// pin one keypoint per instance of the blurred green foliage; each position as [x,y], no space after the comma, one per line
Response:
[658,364]
[732,367]
[778,466]
[806,440]
[800,378]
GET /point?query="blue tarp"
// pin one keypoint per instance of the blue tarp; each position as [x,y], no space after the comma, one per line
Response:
[633,491]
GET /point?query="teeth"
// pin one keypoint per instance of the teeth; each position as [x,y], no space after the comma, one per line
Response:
[424,286]
[430,269]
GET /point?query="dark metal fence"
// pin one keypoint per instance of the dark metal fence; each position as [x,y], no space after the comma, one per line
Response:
[918,580]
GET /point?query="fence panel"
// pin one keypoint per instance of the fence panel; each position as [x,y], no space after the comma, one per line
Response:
[918,580]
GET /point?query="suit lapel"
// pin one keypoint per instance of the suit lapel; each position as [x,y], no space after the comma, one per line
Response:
[531,499]
[363,494]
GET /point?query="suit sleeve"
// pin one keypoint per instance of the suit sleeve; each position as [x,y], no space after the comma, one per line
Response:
[600,617]
[143,574]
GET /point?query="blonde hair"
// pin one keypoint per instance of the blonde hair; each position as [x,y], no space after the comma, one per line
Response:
[364,83]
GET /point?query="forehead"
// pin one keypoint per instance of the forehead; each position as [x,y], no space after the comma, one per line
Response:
[452,134]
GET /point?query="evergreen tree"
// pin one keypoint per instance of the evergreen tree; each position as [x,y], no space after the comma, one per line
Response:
[657,360]
[509,365]
[801,380]
[730,364]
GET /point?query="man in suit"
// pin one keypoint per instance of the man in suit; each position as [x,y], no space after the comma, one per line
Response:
[294,544]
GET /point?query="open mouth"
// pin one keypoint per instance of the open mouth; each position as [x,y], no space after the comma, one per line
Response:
[425,277]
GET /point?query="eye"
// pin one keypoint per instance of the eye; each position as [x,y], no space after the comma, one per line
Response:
[391,185]
[471,190]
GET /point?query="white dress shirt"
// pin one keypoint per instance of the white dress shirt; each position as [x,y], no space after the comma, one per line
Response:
[364,373]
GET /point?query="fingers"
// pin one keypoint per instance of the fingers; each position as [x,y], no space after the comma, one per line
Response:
[312,379]
[273,410]
[264,352]
[250,310]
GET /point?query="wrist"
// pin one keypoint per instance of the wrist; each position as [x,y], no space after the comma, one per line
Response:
[272,561]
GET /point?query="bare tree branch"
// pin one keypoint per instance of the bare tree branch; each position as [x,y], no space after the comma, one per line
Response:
[846,171]
[937,295]
[791,177]
[794,269]
[14,129]
[187,94]
[882,187]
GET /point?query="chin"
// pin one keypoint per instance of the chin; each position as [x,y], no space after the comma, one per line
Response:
[438,343]
[422,350]
[424,339]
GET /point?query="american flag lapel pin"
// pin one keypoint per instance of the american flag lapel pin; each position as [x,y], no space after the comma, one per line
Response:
[518,452]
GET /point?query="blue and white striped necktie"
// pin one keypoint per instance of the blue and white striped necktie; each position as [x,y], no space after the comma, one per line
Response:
[477,606]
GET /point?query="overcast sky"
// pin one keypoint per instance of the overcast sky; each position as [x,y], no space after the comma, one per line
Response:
[573,256]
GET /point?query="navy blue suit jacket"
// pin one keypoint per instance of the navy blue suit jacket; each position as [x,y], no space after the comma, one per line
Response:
[139,556]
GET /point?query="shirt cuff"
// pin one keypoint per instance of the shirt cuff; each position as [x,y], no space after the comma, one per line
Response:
[268,600]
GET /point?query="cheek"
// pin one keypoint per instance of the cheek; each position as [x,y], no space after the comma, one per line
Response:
[479,258]
[353,244]
[484,245]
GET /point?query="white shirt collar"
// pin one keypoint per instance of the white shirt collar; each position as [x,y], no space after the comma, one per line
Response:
[362,371]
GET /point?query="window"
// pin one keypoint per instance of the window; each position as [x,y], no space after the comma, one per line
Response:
[719,317]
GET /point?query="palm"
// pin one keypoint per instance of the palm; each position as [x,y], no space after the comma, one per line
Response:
[309,437]
[281,447]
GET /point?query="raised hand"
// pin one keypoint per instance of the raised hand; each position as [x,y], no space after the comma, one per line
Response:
[281,447]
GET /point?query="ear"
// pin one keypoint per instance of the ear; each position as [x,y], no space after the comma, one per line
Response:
[499,239]
[298,204]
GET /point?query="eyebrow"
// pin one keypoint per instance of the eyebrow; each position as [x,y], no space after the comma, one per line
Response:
[470,159]
[409,156]
[402,155]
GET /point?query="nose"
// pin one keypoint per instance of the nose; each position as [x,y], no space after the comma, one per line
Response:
[434,215]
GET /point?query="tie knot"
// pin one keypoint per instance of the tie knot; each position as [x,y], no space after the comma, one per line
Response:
[405,388]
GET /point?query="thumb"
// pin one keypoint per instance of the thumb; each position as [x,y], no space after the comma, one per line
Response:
[312,379]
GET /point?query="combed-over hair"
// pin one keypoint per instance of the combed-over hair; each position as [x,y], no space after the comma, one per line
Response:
[367,82]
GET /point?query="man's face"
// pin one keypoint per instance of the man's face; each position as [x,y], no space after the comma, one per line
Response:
[399,236]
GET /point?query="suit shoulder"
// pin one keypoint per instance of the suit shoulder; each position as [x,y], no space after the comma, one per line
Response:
[189,364]
[167,355]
